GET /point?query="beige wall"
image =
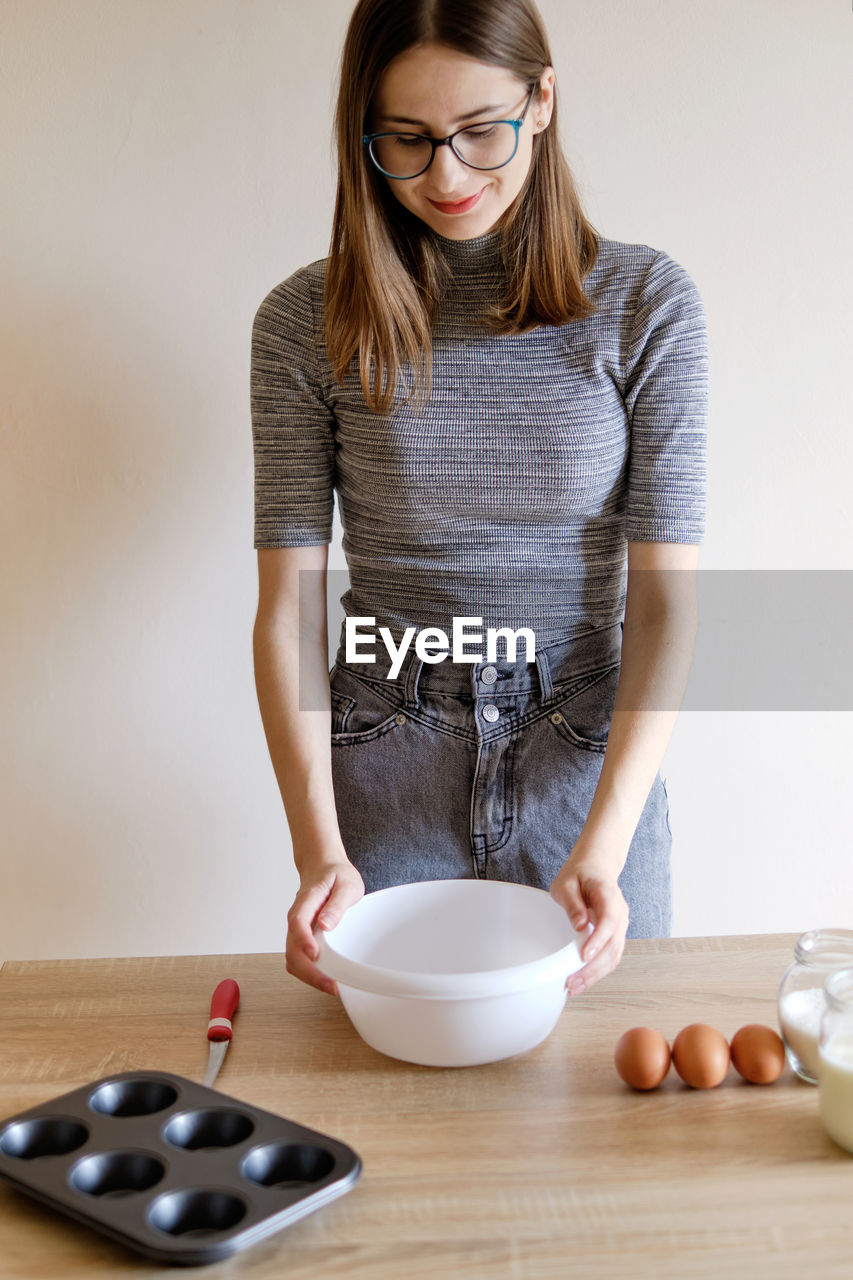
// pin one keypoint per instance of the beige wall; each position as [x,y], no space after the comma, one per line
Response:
[165,163]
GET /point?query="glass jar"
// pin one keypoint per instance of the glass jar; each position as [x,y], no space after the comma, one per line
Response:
[835,1084]
[818,953]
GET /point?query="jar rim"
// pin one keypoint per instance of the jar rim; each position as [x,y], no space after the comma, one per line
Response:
[825,948]
[838,989]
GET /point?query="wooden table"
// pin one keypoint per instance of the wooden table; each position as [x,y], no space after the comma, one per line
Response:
[544,1165]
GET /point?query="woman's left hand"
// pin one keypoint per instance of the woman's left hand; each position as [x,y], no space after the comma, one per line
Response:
[587,888]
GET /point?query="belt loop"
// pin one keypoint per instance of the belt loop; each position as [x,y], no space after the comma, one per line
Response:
[410,690]
[546,689]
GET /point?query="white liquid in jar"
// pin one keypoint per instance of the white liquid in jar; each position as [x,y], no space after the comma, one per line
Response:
[836,1092]
[799,1017]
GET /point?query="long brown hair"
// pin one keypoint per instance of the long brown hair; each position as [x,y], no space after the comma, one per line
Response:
[385,276]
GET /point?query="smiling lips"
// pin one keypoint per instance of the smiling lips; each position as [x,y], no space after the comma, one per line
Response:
[460,206]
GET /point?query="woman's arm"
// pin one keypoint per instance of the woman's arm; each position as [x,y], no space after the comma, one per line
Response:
[292,680]
[657,649]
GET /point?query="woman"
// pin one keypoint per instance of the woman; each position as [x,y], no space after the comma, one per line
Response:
[508,405]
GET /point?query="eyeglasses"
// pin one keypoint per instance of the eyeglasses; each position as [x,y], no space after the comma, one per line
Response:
[488,145]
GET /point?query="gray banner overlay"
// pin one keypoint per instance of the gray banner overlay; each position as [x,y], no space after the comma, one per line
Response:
[766,640]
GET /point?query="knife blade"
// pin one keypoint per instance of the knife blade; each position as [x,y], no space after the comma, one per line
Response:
[223,1006]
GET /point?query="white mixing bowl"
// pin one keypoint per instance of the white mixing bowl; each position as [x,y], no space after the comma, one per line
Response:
[452,973]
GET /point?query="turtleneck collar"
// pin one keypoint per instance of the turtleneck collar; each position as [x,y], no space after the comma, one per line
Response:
[482,253]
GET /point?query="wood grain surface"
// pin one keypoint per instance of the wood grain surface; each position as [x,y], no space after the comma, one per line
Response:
[544,1165]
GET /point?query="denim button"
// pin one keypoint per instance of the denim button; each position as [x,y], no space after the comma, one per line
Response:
[400,719]
[556,718]
[489,675]
[490,712]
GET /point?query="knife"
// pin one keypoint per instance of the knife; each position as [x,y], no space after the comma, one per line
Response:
[223,1006]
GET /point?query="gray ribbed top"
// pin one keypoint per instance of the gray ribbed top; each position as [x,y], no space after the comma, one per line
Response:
[513,495]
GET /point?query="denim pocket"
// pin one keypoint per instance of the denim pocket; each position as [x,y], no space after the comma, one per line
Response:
[666,808]
[361,711]
[341,707]
[581,710]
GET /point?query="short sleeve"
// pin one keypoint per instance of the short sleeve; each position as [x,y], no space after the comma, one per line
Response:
[292,427]
[666,397]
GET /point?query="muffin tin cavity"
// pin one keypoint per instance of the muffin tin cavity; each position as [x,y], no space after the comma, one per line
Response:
[287,1164]
[196,1212]
[204,1130]
[44,1136]
[116,1173]
[133,1097]
[176,1171]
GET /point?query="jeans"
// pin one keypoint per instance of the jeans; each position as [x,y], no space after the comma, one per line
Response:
[486,770]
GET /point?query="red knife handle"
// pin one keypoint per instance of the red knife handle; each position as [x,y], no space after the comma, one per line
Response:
[223,1006]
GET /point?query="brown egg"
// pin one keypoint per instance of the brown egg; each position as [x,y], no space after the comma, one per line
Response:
[758,1053]
[642,1057]
[701,1055]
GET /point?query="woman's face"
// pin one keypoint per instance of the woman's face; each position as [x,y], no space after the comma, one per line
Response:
[434,90]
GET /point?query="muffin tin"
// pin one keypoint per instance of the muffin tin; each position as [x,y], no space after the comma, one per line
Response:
[177,1171]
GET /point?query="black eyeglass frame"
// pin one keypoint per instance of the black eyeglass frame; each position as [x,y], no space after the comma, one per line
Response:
[369,138]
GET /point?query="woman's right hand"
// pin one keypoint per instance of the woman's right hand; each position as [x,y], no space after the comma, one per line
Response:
[326,890]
